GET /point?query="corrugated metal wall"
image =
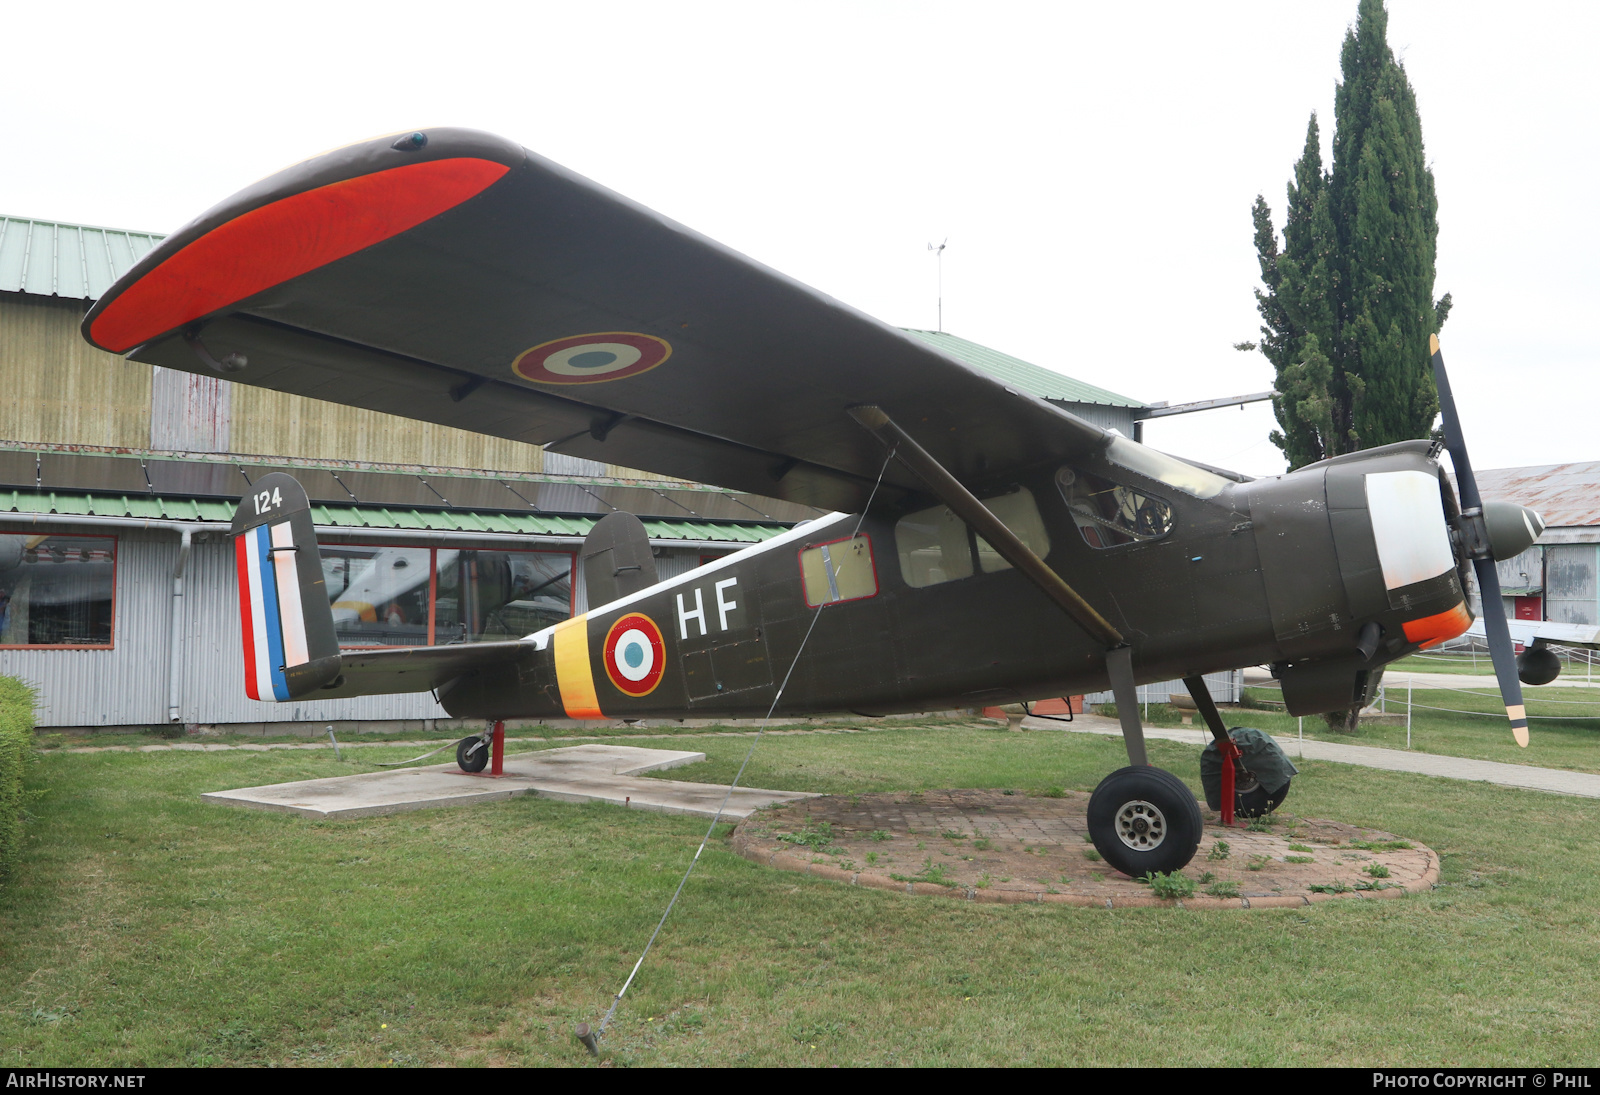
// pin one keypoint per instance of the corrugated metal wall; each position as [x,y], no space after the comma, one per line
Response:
[126,685]
[1571,590]
[1225,687]
[213,667]
[1120,419]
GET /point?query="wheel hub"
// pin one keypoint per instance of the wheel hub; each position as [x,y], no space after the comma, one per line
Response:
[1141,825]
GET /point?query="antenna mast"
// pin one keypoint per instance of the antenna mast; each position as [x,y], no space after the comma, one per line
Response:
[938,253]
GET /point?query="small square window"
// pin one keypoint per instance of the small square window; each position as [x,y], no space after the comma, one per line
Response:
[838,571]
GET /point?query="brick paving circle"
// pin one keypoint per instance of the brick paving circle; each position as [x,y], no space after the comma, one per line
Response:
[1011,847]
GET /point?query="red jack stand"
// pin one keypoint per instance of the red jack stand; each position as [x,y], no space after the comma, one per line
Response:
[497,759]
[1231,755]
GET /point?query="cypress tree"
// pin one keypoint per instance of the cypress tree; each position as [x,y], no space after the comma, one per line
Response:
[1348,301]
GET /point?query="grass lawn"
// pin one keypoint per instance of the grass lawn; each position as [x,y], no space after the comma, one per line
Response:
[148,928]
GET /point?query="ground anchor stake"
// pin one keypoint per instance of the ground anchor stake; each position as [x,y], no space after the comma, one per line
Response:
[590,1040]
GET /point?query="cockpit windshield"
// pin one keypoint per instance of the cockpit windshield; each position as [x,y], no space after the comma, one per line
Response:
[1165,469]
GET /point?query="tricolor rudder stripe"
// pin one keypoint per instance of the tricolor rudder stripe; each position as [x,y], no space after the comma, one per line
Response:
[290,646]
[270,609]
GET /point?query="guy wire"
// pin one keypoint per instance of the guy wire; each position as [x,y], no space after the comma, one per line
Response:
[717,817]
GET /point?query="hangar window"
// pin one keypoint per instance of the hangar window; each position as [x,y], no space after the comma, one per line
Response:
[838,571]
[417,596]
[1108,514]
[936,546]
[490,596]
[57,590]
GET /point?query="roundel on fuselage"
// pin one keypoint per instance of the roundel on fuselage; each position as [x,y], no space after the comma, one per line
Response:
[634,654]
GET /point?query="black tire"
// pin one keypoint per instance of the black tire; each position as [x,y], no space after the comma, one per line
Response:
[1144,820]
[1256,801]
[472,760]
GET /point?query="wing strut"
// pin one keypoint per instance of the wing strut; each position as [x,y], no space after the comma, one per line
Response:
[965,505]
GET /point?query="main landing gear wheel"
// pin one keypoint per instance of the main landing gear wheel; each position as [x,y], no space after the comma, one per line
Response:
[1144,820]
[472,754]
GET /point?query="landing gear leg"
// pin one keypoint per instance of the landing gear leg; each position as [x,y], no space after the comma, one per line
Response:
[1119,665]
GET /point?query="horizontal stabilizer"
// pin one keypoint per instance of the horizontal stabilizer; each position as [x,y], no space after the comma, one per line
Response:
[416,668]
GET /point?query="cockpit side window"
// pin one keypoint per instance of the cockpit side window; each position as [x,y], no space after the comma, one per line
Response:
[1109,514]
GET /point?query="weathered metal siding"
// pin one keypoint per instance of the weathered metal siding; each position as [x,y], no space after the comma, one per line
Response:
[60,390]
[126,685]
[1571,593]
[189,412]
[268,423]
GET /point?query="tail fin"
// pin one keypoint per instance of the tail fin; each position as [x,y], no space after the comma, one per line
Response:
[290,647]
[617,560]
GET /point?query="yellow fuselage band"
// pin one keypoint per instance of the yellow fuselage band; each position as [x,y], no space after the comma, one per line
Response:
[574,674]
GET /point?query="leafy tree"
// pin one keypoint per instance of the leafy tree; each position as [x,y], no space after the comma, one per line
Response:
[1348,301]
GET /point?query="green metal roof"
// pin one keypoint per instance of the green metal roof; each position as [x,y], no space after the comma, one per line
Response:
[50,259]
[358,517]
[1031,378]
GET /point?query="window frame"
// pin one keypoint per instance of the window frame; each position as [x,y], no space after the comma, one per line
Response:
[872,557]
[115,554]
[1133,540]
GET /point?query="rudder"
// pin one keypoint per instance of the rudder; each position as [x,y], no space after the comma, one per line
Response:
[290,648]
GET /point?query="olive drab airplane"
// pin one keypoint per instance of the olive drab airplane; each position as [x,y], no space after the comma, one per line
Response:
[984,545]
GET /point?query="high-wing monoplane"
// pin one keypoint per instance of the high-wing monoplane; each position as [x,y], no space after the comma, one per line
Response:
[985,546]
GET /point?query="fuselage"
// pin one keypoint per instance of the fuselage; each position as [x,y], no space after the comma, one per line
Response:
[884,613]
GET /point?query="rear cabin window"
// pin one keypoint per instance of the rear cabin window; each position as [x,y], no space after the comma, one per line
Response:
[1109,514]
[841,570]
[936,546]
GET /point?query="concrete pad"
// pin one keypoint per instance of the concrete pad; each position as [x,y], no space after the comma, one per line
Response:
[583,773]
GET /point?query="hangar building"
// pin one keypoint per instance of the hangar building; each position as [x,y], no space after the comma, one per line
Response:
[118,599]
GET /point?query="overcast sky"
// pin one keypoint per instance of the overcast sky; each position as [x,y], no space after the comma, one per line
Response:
[1092,165]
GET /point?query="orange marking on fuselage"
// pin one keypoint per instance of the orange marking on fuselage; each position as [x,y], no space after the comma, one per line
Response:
[1433,630]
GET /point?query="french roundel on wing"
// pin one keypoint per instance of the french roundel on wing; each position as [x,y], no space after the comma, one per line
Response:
[635,656]
[591,359]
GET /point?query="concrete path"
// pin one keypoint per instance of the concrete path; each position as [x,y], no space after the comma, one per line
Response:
[583,773]
[1557,780]
[1395,681]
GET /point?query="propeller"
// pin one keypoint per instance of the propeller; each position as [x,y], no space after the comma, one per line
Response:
[1478,546]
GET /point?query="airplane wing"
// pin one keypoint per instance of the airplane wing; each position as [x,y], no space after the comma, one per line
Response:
[1549,632]
[458,278]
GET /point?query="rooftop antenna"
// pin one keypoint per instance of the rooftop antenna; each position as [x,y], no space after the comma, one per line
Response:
[938,253]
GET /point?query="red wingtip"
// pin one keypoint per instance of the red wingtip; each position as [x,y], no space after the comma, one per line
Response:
[282,240]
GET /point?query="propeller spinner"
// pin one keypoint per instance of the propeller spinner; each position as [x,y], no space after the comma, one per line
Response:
[1492,532]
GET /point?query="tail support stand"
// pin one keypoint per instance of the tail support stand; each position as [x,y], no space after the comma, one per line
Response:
[1219,733]
[497,759]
